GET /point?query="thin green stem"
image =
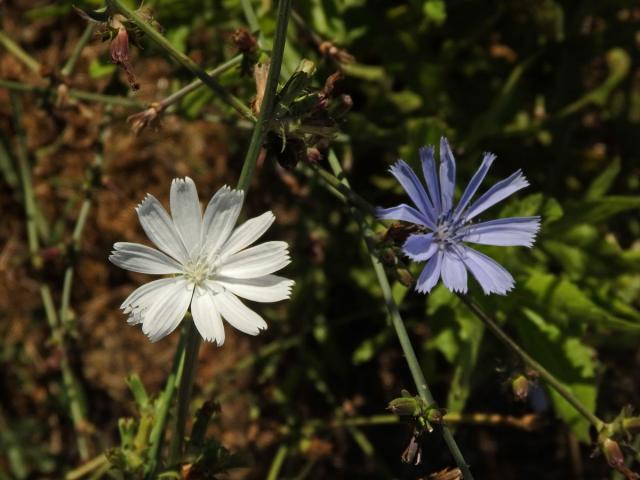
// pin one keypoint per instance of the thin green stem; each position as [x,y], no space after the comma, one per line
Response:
[73,93]
[398,324]
[266,109]
[72,390]
[278,461]
[87,467]
[184,391]
[16,50]
[197,83]
[156,437]
[120,7]
[250,15]
[532,363]
[67,70]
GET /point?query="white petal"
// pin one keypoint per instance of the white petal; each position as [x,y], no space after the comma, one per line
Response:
[511,231]
[447,175]
[160,229]
[270,288]
[454,273]
[247,233]
[140,258]
[144,296]
[206,316]
[165,315]
[238,314]
[186,212]
[220,217]
[257,261]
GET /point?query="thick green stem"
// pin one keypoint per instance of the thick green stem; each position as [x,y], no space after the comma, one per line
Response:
[156,437]
[187,378]
[532,363]
[398,325]
[278,461]
[119,7]
[266,109]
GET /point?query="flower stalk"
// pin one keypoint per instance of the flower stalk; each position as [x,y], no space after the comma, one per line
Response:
[398,325]
[118,6]
[532,363]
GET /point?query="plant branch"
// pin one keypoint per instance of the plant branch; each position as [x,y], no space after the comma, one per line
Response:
[67,70]
[16,50]
[398,324]
[120,7]
[266,109]
[532,363]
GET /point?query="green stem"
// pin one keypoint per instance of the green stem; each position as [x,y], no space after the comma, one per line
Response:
[67,70]
[17,51]
[120,7]
[73,93]
[398,325]
[278,461]
[197,83]
[192,347]
[250,15]
[266,109]
[532,363]
[72,388]
[164,403]
[88,467]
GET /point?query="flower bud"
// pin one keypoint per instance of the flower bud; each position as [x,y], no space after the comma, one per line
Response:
[435,415]
[404,406]
[520,387]
[612,453]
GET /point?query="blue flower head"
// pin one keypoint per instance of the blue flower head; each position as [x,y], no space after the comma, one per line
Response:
[448,228]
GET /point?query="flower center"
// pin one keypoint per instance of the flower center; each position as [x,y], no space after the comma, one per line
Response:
[446,232]
[200,268]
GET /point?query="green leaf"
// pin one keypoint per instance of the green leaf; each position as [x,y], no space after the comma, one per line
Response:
[595,211]
[603,182]
[435,10]
[569,360]
[97,69]
[565,303]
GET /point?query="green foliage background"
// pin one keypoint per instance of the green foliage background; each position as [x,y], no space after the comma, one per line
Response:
[551,87]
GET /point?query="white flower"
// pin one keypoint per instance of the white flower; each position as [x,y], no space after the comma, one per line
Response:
[209,261]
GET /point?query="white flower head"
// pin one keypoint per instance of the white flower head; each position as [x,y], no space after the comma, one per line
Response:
[209,261]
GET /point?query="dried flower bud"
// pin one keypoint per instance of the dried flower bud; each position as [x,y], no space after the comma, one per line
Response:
[413,453]
[520,387]
[404,277]
[244,41]
[435,415]
[447,474]
[341,106]
[260,74]
[119,49]
[313,155]
[612,453]
[139,121]
[339,55]
[62,97]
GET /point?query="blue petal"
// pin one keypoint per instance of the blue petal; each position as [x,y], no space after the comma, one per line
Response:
[430,274]
[420,247]
[504,232]
[447,175]
[491,276]
[497,193]
[454,273]
[431,177]
[411,184]
[405,213]
[475,182]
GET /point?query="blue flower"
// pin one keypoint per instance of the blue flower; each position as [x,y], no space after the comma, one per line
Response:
[447,229]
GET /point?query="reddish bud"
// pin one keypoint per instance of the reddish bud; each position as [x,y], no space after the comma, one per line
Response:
[244,41]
